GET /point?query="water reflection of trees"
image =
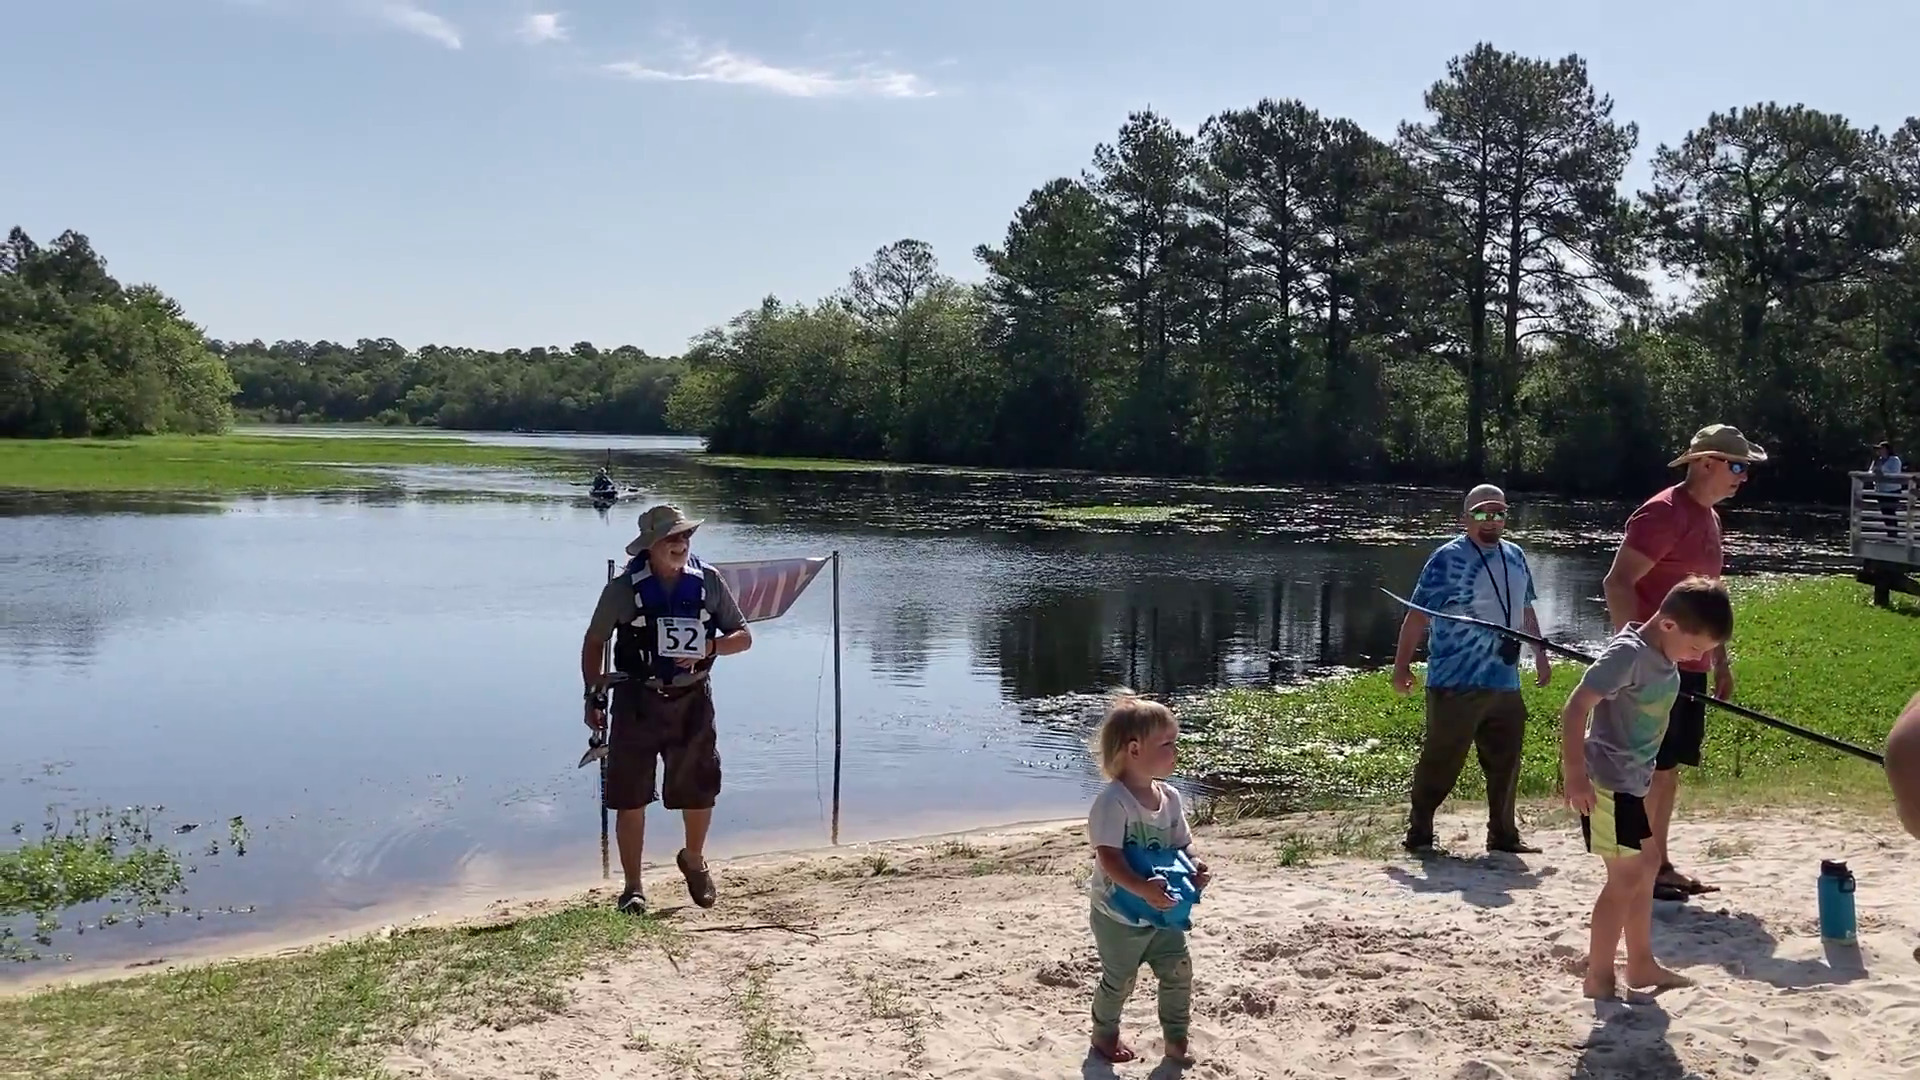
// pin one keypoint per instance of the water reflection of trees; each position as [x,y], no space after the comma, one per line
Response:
[1167,634]
[901,644]
[1268,617]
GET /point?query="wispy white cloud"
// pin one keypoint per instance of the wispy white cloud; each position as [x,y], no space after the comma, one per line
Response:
[538,28]
[721,65]
[417,20]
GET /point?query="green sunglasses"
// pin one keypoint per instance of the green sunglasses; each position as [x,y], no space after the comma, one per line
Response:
[1489,515]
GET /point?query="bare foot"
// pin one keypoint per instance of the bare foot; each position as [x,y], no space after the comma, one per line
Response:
[1114,1051]
[1178,1053]
[1656,978]
[1600,986]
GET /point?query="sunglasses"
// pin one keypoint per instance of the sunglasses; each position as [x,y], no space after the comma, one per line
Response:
[1489,515]
[1737,468]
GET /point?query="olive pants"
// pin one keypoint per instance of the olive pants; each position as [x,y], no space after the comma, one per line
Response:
[1123,949]
[1492,723]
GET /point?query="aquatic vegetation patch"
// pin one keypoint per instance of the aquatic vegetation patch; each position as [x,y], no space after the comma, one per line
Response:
[1112,515]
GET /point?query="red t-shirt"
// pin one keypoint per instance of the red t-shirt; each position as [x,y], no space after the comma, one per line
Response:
[1682,537]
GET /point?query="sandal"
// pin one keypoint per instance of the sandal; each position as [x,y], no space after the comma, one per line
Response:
[632,902]
[1677,880]
[699,882]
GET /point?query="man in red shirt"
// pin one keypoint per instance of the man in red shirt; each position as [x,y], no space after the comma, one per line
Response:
[1671,536]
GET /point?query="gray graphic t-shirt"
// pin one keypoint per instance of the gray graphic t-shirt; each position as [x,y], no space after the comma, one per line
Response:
[1118,820]
[1638,685]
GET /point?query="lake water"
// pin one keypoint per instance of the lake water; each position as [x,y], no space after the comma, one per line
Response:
[385,688]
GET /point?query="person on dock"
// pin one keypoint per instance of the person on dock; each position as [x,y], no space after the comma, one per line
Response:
[1473,676]
[1673,536]
[669,615]
[1887,488]
[1886,465]
[1611,733]
[1903,766]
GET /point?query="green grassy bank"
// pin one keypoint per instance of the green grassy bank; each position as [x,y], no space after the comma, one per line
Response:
[317,1015]
[234,464]
[1811,651]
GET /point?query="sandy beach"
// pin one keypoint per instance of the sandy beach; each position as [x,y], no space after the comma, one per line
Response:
[970,957]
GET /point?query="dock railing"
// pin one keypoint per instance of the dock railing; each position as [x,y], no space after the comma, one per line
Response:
[1883,524]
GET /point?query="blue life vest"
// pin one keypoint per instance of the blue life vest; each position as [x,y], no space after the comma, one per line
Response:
[635,645]
[1172,864]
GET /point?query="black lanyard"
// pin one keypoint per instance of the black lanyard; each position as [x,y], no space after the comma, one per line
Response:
[1506,606]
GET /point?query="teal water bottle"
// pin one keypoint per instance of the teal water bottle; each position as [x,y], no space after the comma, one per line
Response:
[1836,902]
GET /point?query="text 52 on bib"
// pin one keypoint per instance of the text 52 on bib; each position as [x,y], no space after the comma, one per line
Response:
[681,638]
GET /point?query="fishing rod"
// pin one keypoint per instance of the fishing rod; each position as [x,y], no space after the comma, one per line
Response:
[1574,654]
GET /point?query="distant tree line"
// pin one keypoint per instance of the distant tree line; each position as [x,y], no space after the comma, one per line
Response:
[552,389]
[81,354]
[1285,295]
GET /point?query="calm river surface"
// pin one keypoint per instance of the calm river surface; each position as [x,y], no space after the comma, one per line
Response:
[385,688]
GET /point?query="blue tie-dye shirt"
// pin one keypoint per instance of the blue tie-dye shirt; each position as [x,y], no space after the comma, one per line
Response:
[1457,579]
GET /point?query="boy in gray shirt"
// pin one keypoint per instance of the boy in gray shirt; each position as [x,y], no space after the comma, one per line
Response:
[1610,732]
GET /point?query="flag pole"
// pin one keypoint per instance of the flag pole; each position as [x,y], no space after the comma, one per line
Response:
[836,696]
[606,662]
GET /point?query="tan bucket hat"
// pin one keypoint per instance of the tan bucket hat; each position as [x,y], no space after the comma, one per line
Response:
[1720,440]
[659,522]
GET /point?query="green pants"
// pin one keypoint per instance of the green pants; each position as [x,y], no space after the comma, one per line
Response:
[1123,949]
[1492,723]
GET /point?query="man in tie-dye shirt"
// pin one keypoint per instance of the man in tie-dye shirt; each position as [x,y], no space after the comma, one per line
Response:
[1473,676]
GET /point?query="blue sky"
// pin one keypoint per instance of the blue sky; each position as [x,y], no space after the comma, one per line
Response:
[522,172]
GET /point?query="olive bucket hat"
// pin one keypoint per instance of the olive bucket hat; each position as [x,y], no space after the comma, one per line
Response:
[659,522]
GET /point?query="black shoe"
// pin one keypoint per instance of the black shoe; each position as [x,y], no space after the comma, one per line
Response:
[632,902]
[1515,846]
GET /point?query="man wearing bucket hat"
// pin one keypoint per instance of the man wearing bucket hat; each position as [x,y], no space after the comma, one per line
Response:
[1473,677]
[1672,536]
[669,615]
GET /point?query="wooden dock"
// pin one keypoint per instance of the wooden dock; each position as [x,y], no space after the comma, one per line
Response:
[1883,531]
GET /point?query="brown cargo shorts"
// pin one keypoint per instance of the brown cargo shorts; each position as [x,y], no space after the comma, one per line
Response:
[674,728]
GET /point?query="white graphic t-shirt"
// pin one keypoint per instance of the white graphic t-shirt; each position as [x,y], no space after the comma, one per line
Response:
[1118,820]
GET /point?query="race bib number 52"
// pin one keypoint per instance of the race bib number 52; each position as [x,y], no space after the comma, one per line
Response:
[681,639]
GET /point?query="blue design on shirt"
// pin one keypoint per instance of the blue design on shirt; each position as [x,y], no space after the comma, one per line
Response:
[1456,580]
